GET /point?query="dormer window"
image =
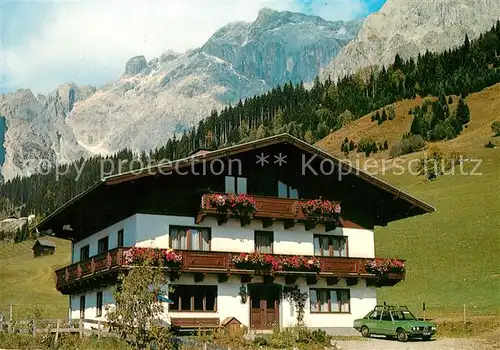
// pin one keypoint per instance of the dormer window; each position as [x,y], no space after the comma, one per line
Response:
[287,191]
[236,184]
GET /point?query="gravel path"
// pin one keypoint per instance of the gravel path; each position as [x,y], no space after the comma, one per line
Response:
[435,344]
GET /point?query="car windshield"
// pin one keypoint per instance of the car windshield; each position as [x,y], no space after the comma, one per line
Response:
[402,315]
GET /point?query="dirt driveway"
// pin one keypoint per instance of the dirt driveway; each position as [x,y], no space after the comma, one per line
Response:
[435,344]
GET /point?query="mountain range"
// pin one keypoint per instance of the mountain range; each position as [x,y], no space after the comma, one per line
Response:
[155,99]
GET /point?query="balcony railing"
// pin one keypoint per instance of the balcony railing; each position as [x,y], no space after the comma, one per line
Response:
[268,209]
[203,262]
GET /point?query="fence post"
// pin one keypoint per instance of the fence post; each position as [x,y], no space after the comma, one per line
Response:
[57,333]
[34,327]
[98,329]
[10,319]
[80,326]
[464,315]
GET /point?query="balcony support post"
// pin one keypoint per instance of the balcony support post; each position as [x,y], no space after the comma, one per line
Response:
[199,277]
[331,281]
[246,278]
[223,277]
[291,279]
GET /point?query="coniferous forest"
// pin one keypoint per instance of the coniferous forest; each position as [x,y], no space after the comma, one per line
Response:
[309,114]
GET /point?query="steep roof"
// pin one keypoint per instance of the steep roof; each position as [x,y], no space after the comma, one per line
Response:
[45,243]
[237,149]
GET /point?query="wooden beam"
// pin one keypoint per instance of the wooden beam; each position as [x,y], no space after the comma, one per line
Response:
[244,220]
[199,277]
[267,222]
[291,279]
[223,277]
[246,278]
[268,279]
[312,279]
[352,281]
[199,218]
[330,226]
[331,281]
[174,275]
[221,219]
[310,225]
[289,224]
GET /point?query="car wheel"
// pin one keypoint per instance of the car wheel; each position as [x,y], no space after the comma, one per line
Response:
[402,336]
[365,332]
[426,338]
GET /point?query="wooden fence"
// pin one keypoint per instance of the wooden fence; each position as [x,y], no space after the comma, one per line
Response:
[57,327]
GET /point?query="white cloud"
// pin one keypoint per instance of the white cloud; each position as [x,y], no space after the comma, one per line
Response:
[89,42]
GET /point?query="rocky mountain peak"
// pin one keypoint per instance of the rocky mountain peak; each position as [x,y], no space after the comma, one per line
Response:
[135,65]
[408,28]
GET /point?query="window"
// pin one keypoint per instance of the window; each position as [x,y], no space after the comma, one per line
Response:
[286,191]
[190,238]
[386,316]
[82,306]
[375,315]
[84,252]
[264,242]
[234,184]
[120,238]
[325,245]
[102,245]
[330,300]
[193,298]
[99,304]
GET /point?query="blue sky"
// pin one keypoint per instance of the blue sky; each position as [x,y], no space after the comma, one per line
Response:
[45,44]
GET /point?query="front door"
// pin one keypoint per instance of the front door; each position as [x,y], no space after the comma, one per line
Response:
[264,301]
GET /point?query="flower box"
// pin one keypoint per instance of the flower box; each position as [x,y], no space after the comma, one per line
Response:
[238,204]
[270,263]
[322,210]
[153,257]
[385,267]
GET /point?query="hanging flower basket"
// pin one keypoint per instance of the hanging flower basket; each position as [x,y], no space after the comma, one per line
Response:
[239,205]
[384,267]
[322,210]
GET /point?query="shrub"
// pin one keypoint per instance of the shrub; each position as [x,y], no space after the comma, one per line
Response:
[367,146]
[490,145]
[495,127]
[410,144]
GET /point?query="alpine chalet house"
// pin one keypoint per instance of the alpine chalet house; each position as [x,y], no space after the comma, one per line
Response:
[304,218]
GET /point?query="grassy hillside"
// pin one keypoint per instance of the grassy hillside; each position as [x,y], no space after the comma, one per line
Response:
[452,254]
[29,283]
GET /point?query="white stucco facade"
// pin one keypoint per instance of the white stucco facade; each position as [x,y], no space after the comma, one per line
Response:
[147,230]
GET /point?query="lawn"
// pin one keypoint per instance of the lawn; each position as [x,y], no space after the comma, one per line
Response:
[452,254]
[29,283]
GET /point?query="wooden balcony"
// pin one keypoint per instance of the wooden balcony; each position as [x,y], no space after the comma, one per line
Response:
[103,270]
[268,209]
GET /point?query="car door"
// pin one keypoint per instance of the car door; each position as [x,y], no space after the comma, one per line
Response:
[373,321]
[386,323]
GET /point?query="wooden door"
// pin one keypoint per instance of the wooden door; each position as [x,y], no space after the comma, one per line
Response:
[264,312]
